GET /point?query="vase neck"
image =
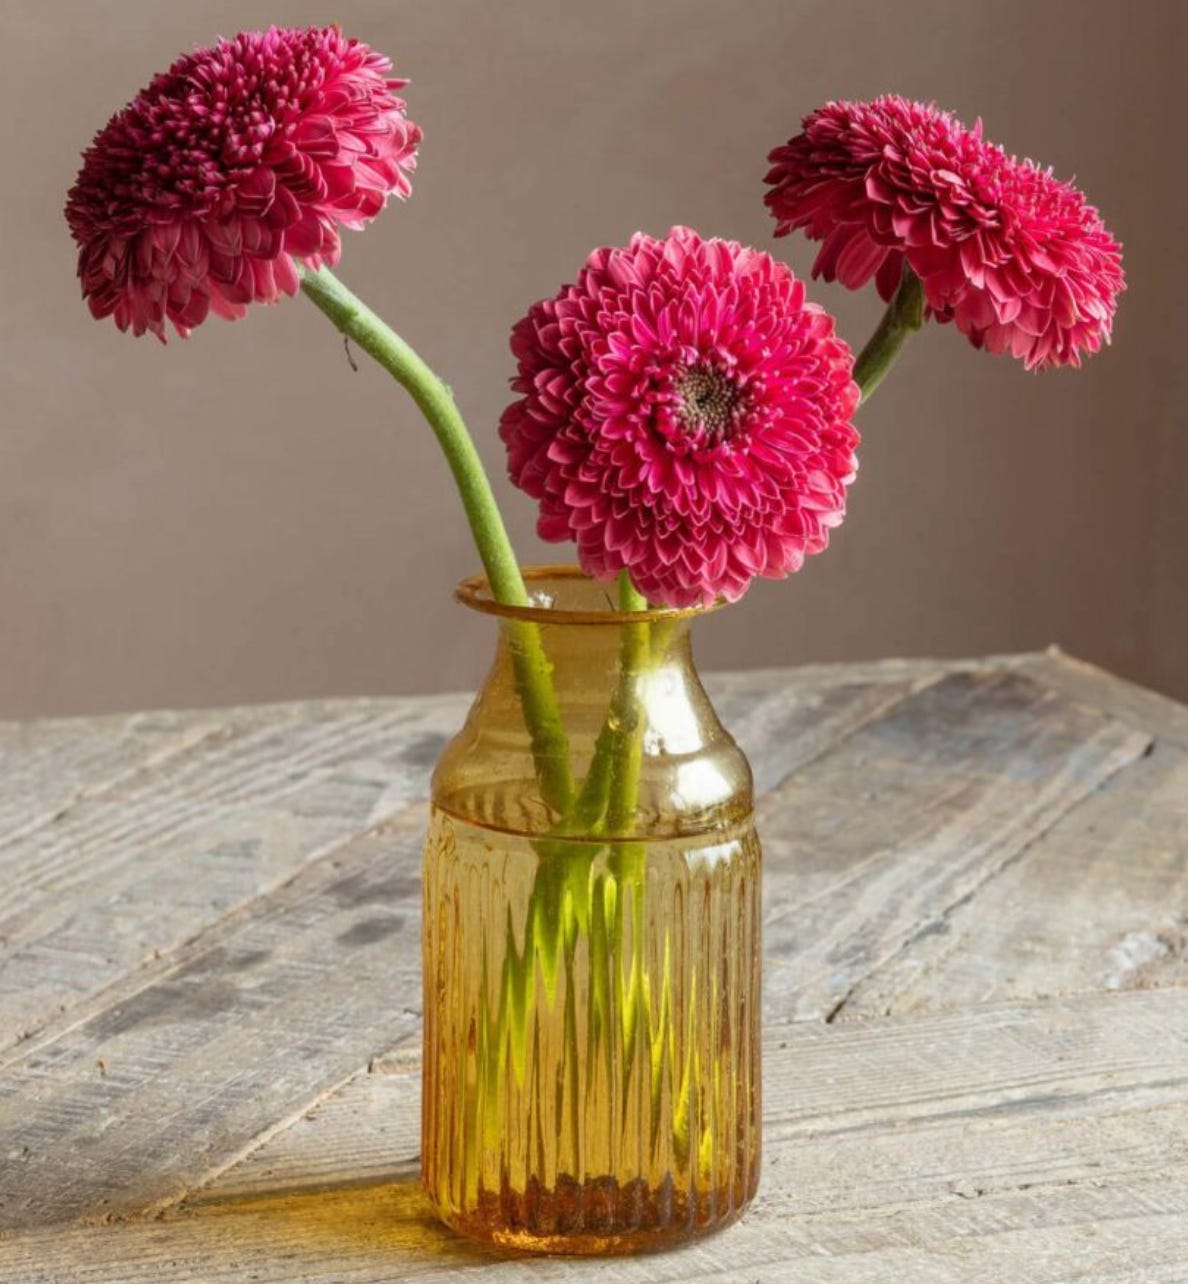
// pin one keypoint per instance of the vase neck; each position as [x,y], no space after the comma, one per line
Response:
[636,741]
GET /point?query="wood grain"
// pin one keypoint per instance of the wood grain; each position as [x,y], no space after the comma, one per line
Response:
[127,873]
[791,725]
[1036,1142]
[280,995]
[1164,719]
[168,1076]
[1099,902]
[47,767]
[167,838]
[872,845]
[977,1046]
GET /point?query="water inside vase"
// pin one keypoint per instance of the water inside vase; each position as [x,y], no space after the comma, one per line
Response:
[591,1052]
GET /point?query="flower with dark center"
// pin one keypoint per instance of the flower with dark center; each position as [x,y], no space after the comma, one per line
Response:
[684,415]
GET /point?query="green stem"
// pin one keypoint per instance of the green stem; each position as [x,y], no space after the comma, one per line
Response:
[604,807]
[627,863]
[435,401]
[904,316]
[625,712]
[630,598]
[542,715]
[533,672]
[591,803]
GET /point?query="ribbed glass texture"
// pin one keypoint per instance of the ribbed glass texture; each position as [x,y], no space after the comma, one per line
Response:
[591,1069]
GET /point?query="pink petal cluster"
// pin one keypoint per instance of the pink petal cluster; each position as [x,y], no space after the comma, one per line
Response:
[1016,258]
[200,194]
[685,415]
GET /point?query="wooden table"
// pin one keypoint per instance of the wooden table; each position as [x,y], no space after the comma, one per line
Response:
[976,1055]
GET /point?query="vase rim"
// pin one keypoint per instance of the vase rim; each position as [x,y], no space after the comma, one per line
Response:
[475,593]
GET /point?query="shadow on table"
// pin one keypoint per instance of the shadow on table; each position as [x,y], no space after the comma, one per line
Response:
[386,1221]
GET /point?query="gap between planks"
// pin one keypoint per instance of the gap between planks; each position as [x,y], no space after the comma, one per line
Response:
[200,848]
[872,845]
[310,968]
[1039,1142]
[109,1073]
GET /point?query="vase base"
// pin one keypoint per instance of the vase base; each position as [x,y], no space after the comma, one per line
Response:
[598,1217]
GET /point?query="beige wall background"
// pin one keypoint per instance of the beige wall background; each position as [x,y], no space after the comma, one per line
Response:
[242,518]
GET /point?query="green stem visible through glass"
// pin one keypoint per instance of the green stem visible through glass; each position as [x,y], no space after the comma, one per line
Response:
[904,316]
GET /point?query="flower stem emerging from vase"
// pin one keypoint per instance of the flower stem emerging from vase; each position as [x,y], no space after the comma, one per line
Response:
[436,402]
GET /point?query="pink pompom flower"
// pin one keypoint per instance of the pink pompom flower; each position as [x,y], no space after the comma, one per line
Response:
[243,158]
[1016,258]
[685,415]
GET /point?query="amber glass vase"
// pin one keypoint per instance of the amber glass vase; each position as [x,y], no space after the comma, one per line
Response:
[591,939]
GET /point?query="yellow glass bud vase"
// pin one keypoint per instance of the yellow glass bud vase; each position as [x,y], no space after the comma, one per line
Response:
[592,945]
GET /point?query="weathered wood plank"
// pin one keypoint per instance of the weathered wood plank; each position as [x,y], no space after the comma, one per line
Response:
[875,841]
[336,778]
[128,872]
[1099,902]
[958,1104]
[1164,718]
[165,1077]
[49,766]
[1011,751]
[1037,1142]
[377,1234]
[368,1130]
[274,764]
[790,724]
[1028,1142]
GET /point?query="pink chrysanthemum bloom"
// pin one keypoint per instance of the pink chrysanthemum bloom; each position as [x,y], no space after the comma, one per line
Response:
[200,194]
[685,416]
[1016,258]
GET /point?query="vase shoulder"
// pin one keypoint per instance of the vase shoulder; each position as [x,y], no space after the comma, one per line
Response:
[689,775]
